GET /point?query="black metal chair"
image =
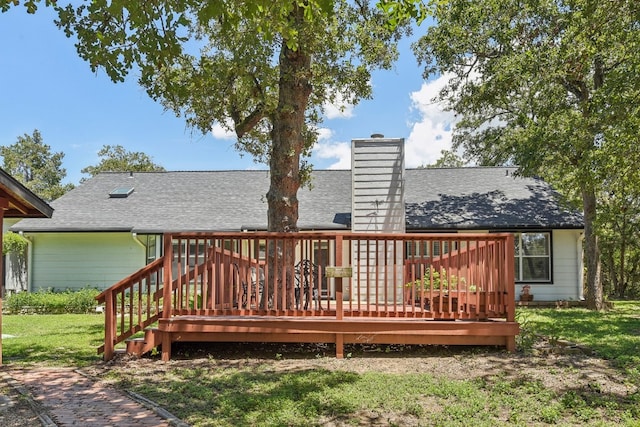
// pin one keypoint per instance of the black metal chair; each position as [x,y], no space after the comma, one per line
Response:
[306,273]
[251,294]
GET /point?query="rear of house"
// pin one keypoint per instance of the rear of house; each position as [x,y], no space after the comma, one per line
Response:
[112,224]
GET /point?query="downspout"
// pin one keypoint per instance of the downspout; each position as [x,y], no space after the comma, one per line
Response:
[29,260]
[142,245]
[580,258]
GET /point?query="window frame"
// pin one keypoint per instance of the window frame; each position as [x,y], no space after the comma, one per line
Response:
[519,258]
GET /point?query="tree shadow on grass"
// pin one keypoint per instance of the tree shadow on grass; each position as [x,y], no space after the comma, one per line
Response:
[276,351]
[59,347]
[250,397]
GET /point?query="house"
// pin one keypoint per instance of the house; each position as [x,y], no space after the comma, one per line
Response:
[16,201]
[111,225]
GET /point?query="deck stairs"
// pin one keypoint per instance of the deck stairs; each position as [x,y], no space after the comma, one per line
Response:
[205,289]
[141,345]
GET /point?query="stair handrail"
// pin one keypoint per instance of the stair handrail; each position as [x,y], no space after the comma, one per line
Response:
[137,319]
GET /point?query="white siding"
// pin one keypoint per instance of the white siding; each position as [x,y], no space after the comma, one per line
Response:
[15,274]
[377,185]
[567,275]
[567,280]
[77,260]
[377,170]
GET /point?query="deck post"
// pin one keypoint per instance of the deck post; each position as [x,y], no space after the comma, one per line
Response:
[339,346]
[338,280]
[109,326]
[339,306]
[511,288]
[167,274]
[510,279]
[166,346]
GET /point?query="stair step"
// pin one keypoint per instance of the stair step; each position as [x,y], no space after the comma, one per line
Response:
[141,345]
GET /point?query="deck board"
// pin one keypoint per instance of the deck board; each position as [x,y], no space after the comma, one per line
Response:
[329,329]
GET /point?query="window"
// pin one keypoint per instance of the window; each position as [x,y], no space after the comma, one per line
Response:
[425,249]
[533,257]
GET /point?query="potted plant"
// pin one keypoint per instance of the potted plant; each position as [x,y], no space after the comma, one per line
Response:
[525,294]
[442,282]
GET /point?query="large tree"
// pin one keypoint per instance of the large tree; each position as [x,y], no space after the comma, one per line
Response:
[619,213]
[32,163]
[115,158]
[544,84]
[262,69]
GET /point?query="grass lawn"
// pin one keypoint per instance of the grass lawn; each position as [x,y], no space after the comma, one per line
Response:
[52,339]
[427,386]
[613,334]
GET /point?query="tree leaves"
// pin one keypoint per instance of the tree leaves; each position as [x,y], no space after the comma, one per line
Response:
[115,158]
[32,163]
[539,83]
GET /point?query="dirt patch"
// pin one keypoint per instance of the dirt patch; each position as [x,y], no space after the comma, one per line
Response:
[558,368]
[15,410]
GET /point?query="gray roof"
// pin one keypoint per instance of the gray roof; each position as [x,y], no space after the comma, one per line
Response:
[23,203]
[483,198]
[435,199]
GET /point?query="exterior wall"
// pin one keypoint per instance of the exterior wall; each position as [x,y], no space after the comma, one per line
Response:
[567,276]
[377,184]
[567,267]
[377,180]
[77,260]
[15,274]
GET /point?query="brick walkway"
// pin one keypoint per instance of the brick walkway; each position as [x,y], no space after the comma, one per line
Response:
[71,399]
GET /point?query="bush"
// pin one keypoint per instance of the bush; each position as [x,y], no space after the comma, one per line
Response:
[50,302]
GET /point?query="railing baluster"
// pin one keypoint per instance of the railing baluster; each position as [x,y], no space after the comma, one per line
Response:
[393,276]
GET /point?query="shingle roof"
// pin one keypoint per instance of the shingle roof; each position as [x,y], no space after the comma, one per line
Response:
[23,203]
[466,198]
[483,198]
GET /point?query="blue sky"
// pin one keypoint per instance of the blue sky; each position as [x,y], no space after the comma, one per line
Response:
[44,85]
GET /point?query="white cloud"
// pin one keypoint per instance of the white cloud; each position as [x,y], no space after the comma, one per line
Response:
[334,150]
[324,134]
[338,109]
[220,132]
[433,131]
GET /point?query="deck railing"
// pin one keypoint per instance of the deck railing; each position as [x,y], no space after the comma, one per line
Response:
[430,276]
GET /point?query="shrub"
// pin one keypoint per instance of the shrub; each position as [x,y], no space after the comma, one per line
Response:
[82,301]
[440,280]
[50,302]
[13,243]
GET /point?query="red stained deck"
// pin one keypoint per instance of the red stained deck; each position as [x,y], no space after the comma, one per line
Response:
[455,289]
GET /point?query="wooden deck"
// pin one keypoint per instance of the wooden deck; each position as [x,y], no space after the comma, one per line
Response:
[263,287]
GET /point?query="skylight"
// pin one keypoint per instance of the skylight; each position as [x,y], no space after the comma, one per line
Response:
[121,192]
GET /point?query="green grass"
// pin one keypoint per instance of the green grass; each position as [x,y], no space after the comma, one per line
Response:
[612,334]
[208,393]
[215,396]
[52,339]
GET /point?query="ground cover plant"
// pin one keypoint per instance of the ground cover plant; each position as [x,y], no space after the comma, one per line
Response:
[47,301]
[612,334]
[547,382]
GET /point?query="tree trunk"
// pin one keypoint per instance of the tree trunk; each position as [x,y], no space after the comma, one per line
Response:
[288,142]
[611,268]
[622,280]
[288,139]
[591,251]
